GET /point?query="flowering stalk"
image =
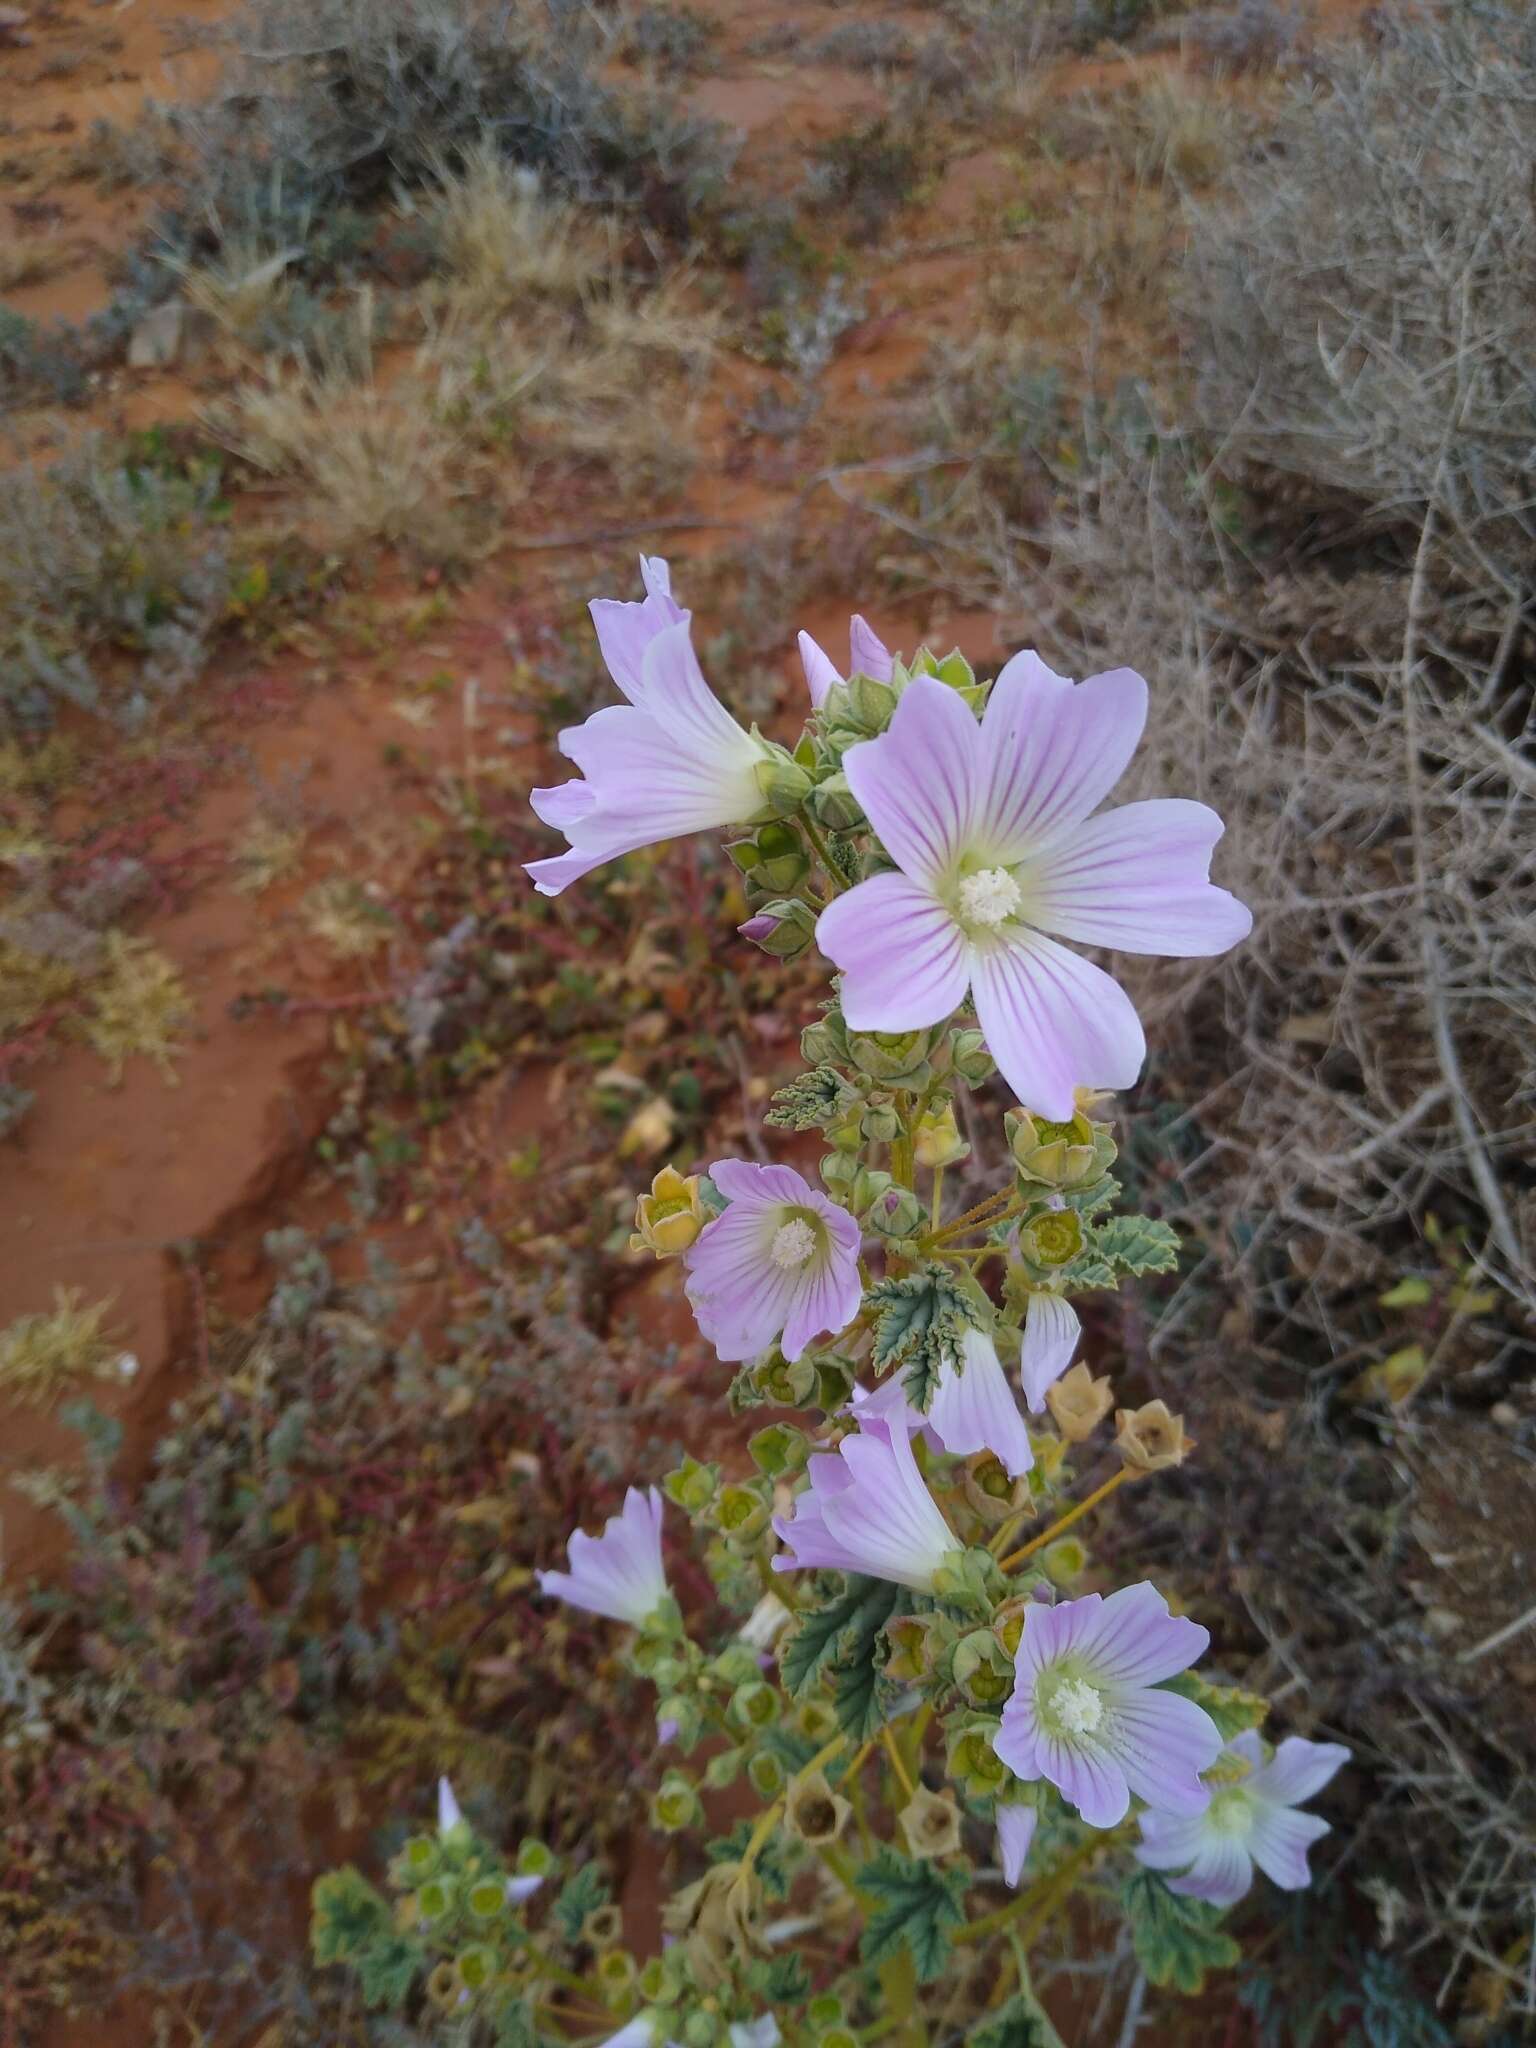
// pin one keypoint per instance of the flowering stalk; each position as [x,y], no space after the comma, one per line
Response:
[921,1403]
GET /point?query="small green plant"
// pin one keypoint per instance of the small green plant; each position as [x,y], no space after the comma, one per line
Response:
[44,1356]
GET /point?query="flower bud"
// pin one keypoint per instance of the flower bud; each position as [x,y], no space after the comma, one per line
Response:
[782,862]
[897,1213]
[692,1485]
[723,1768]
[766,1773]
[865,704]
[785,785]
[603,1927]
[930,1823]
[982,1668]
[814,1812]
[937,1140]
[783,928]
[679,1719]
[785,1385]
[839,1170]
[1150,1439]
[670,1217]
[754,1705]
[1058,1155]
[1053,1238]
[869,1183]
[741,1511]
[879,1123]
[1079,1403]
[834,805]
[825,1042]
[894,1058]
[972,1062]
[780,1450]
[675,1804]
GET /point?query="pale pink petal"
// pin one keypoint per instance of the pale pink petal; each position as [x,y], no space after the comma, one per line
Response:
[868,654]
[1170,1841]
[1088,1777]
[1054,750]
[826,1305]
[624,631]
[561,869]
[1134,1640]
[653,780]
[1221,1874]
[1137,879]
[820,674]
[673,690]
[917,783]
[1297,1769]
[1016,1821]
[1280,1840]
[1051,1331]
[975,1410]
[1053,1022]
[564,804]
[1163,1742]
[1054,1631]
[1017,1741]
[904,960]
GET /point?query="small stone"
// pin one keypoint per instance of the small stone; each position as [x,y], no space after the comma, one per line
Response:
[157,339]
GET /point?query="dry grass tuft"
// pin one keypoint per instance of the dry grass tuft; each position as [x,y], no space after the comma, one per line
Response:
[139,1006]
[42,1356]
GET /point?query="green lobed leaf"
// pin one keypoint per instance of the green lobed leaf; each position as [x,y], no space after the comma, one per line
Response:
[811,1101]
[1228,1706]
[1138,1244]
[347,1914]
[919,1322]
[841,1633]
[582,1893]
[780,1981]
[515,2026]
[1022,2023]
[769,1867]
[1177,1941]
[917,1907]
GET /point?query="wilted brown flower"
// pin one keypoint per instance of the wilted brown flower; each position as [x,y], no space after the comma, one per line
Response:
[930,1822]
[717,1920]
[1150,1439]
[813,1811]
[1079,1403]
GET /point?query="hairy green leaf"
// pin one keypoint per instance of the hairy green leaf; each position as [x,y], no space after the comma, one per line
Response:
[582,1893]
[1138,1244]
[917,1907]
[347,1914]
[1176,1940]
[841,1633]
[919,1322]
[811,1101]
[1021,2023]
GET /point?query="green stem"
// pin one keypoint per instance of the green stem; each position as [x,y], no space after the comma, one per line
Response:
[823,853]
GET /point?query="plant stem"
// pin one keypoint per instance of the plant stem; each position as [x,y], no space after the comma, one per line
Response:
[823,853]
[770,1814]
[1074,1514]
[936,1206]
[973,1218]
[898,1765]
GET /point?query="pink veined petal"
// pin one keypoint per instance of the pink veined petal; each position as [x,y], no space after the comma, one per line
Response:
[1016,1821]
[917,783]
[1089,1778]
[1297,1769]
[1221,1874]
[1054,750]
[886,1403]
[1136,1641]
[1137,878]
[1051,1331]
[975,1409]
[564,804]
[1170,1841]
[1280,1840]
[1053,1632]
[561,869]
[673,690]
[868,654]
[624,631]
[744,1180]
[1053,1021]
[1163,1742]
[1017,1741]
[820,674]
[826,1303]
[905,962]
[740,1299]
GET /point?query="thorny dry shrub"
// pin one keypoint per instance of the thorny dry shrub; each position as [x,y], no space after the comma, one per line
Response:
[1362,314]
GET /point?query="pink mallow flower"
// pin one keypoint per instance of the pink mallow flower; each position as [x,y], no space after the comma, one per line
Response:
[865,1508]
[1086,1713]
[620,1573]
[973,1408]
[989,826]
[780,1266]
[670,761]
[1251,1819]
[868,655]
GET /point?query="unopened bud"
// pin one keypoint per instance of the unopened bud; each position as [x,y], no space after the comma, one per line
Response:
[1150,1439]
[814,1812]
[783,782]
[971,1060]
[1079,1403]
[879,1123]
[783,928]
[937,1140]
[834,805]
[670,1217]
[741,1511]
[825,1042]
[930,1823]
[782,861]
[897,1213]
